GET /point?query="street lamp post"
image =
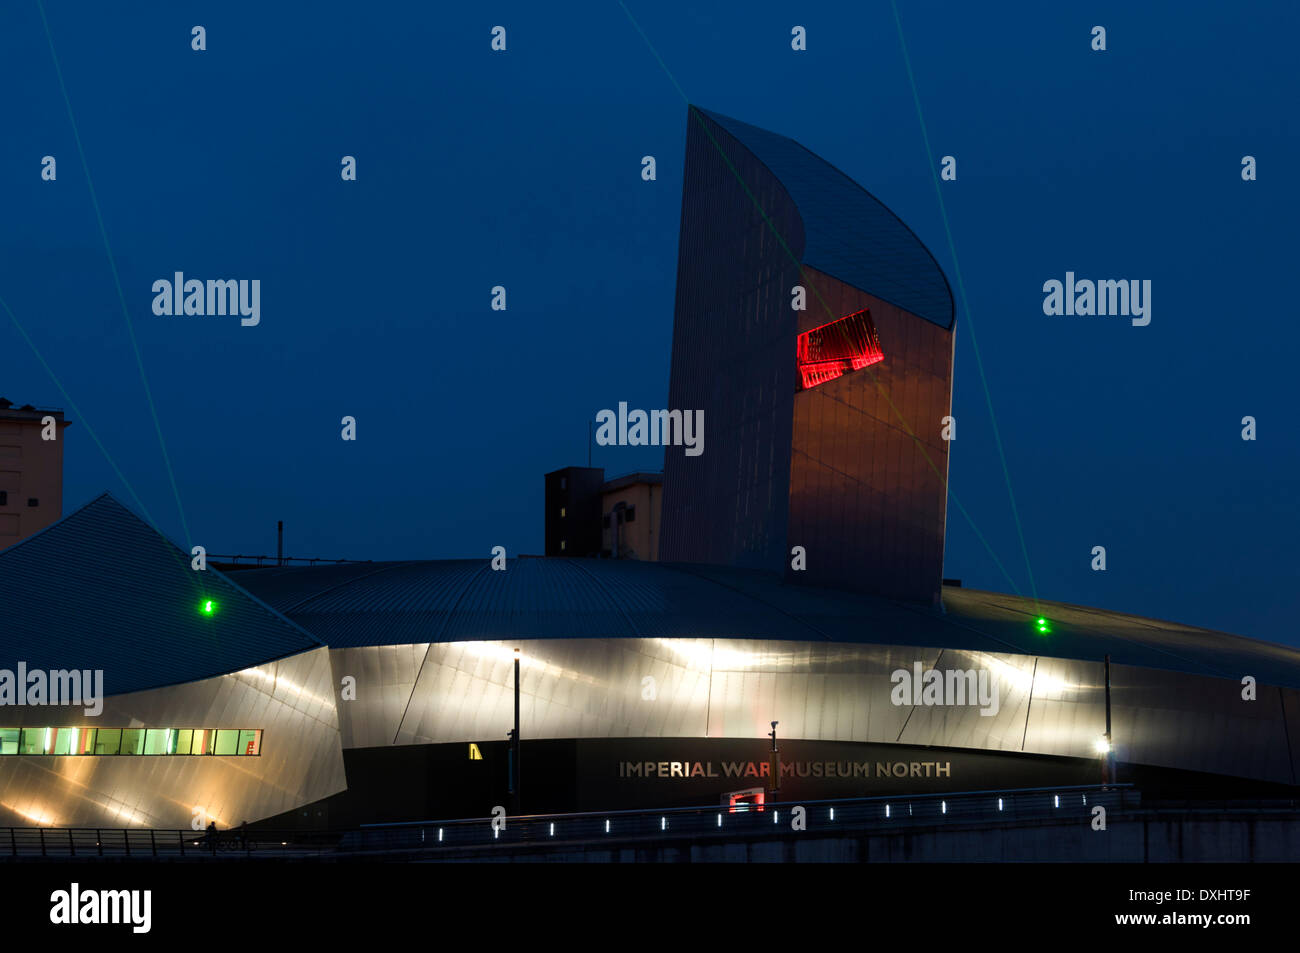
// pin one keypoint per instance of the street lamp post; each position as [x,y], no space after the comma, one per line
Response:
[514,746]
[1108,765]
[775,761]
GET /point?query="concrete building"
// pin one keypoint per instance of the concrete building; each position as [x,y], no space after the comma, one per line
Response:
[31,470]
[587,515]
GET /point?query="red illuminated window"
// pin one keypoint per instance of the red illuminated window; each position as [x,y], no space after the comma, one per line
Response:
[831,350]
[751,799]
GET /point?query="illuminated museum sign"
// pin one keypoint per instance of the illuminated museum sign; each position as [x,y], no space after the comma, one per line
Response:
[789,769]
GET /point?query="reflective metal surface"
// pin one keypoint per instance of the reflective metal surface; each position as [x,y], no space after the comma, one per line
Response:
[610,688]
[733,688]
[301,760]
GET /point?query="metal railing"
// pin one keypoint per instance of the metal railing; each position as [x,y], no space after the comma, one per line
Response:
[846,816]
[262,561]
[146,843]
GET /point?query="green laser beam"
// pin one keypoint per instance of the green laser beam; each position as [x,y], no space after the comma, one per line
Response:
[85,422]
[965,300]
[881,389]
[117,279]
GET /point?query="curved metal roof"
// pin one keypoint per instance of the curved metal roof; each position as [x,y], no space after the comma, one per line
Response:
[849,233]
[464,600]
[102,589]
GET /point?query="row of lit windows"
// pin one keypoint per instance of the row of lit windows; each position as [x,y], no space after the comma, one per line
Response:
[217,741]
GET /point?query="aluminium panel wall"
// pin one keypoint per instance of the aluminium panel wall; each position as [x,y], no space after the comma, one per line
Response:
[291,700]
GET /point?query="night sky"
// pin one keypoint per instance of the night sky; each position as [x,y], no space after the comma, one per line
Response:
[522,169]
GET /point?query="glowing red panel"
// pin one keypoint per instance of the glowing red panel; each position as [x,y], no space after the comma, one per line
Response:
[750,799]
[834,349]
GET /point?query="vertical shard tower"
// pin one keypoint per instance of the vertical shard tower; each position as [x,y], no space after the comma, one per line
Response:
[823,424]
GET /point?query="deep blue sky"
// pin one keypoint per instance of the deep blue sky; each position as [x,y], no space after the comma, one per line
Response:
[522,169]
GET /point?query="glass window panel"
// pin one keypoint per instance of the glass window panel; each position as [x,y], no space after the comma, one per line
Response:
[202,741]
[33,741]
[132,741]
[155,740]
[8,740]
[181,740]
[250,741]
[63,741]
[227,741]
[108,740]
[86,741]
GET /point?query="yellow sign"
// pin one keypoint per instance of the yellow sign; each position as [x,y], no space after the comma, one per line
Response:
[474,753]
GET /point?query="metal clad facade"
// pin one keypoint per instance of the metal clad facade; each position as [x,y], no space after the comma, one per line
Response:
[732,357]
[734,688]
[869,469]
[301,760]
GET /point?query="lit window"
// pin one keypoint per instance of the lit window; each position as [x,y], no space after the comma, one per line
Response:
[834,349]
[250,741]
[562,512]
[137,741]
[562,545]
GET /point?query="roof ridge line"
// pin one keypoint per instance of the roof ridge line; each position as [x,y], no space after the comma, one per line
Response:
[682,568]
[45,529]
[636,632]
[347,582]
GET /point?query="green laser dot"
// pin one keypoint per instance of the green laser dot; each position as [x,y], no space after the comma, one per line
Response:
[208,607]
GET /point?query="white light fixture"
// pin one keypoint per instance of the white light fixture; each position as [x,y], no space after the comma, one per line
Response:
[1101,745]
